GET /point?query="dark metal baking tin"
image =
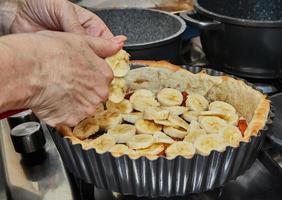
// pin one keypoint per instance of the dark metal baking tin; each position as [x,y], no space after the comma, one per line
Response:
[160,177]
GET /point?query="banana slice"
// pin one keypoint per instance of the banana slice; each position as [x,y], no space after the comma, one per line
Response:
[122,132]
[147,127]
[178,121]
[117,90]
[174,132]
[155,113]
[123,107]
[109,119]
[165,123]
[208,142]
[231,135]
[212,124]
[141,141]
[116,94]
[170,97]
[102,144]
[229,117]
[119,150]
[185,149]
[194,132]
[221,106]
[155,149]
[119,82]
[160,137]
[197,102]
[140,93]
[142,99]
[86,128]
[119,63]
[175,110]
[99,108]
[189,116]
[132,117]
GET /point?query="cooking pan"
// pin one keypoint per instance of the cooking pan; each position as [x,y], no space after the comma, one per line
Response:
[242,36]
[161,177]
[152,34]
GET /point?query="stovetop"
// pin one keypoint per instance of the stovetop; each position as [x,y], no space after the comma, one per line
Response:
[48,179]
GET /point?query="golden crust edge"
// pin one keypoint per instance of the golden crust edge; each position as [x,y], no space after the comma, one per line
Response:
[259,119]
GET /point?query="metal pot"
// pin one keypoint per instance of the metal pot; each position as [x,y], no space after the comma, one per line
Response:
[243,36]
[152,34]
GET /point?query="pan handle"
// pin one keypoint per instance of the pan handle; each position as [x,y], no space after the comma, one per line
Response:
[199,21]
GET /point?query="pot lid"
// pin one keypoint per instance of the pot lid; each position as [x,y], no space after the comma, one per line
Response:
[256,13]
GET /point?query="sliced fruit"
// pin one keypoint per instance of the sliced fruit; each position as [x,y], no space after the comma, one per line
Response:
[123,107]
[185,149]
[147,127]
[165,123]
[86,128]
[109,119]
[141,141]
[141,93]
[178,121]
[175,110]
[132,117]
[119,150]
[212,124]
[102,144]
[197,102]
[154,149]
[231,135]
[189,116]
[122,132]
[221,106]
[160,137]
[116,94]
[174,132]
[119,63]
[229,117]
[194,132]
[170,97]
[242,125]
[155,113]
[142,99]
[206,143]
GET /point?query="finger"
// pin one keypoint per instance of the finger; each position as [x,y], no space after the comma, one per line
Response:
[69,20]
[105,48]
[93,24]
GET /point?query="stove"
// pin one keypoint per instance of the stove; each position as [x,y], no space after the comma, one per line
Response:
[49,179]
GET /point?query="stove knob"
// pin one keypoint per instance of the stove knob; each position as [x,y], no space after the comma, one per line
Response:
[28,138]
[22,117]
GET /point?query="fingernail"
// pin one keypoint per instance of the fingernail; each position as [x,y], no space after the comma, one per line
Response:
[119,39]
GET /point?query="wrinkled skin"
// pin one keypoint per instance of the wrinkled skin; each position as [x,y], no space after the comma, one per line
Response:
[58,15]
[63,76]
[67,77]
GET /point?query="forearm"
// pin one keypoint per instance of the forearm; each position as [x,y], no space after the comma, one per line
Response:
[8,9]
[15,74]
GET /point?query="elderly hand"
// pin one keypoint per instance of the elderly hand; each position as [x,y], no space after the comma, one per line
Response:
[58,15]
[60,76]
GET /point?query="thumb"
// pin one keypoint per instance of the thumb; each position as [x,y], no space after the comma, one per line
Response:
[69,20]
[105,48]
